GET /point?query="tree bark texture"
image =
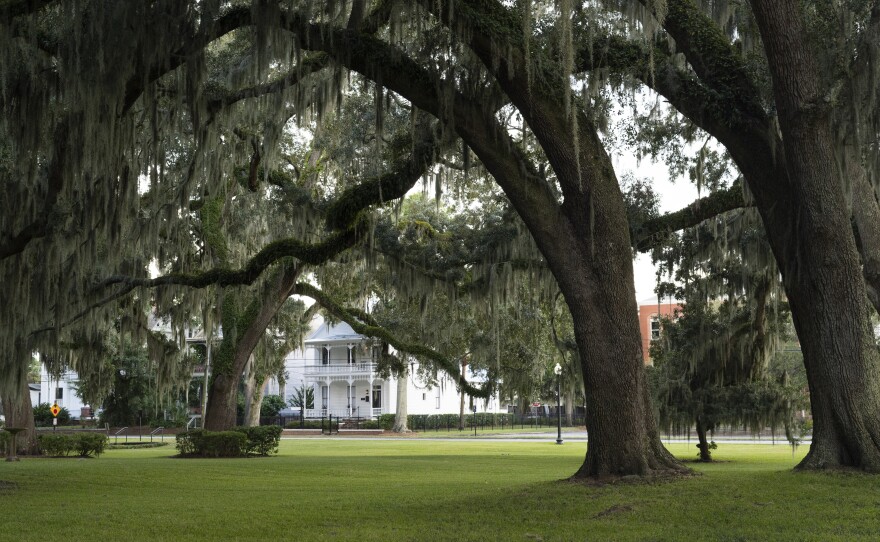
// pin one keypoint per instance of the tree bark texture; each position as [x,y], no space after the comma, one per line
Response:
[866,219]
[810,232]
[19,413]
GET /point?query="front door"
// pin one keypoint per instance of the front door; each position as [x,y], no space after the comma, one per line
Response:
[377,396]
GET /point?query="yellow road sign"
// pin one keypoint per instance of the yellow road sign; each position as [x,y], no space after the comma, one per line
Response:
[55,410]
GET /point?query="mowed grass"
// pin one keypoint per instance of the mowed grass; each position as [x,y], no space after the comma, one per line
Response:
[364,490]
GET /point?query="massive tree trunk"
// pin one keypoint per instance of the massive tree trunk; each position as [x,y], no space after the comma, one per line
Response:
[810,231]
[20,414]
[242,330]
[623,435]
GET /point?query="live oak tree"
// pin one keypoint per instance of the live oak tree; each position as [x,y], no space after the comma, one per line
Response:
[577,220]
[84,131]
[788,89]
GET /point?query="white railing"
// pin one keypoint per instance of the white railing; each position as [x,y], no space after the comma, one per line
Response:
[344,369]
[361,412]
[324,412]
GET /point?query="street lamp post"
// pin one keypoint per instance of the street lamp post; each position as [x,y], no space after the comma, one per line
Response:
[558,371]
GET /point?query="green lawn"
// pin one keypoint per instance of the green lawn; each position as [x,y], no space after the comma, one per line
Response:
[363,490]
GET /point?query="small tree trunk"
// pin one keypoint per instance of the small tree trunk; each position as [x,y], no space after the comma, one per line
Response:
[253,396]
[400,418]
[248,392]
[705,452]
[462,396]
[20,413]
[256,407]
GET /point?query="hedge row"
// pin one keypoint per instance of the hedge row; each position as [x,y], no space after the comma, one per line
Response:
[442,421]
[240,442]
[82,444]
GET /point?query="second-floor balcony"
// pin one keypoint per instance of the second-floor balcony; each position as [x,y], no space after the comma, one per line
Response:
[363,368]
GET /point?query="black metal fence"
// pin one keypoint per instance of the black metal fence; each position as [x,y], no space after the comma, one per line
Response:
[487,421]
[298,422]
[430,422]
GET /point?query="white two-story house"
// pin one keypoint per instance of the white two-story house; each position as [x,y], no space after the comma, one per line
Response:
[339,365]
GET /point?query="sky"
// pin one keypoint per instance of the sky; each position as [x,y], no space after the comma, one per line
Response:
[673,196]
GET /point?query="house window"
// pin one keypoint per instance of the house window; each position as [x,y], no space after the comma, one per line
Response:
[352,398]
[377,396]
[351,355]
[424,396]
[655,328]
[438,398]
[325,396]
[59,393]
[325,355]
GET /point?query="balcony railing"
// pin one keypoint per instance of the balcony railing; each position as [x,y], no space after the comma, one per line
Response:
[343,369]
[341,412]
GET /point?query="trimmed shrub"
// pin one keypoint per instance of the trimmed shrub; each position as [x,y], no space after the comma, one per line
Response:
[262,439]
[386,421]
[368,424]
[83,444]
[201,443]
[89,444]
[56,444]
[189,442]
[308,424]
[223,444]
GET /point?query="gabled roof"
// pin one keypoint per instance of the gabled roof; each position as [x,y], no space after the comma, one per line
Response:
[339,333]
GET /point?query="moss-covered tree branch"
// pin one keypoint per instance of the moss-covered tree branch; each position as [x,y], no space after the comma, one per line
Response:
[369,328]
[711,55]
[421,146]
[41,225]
[654,231]
[309,65]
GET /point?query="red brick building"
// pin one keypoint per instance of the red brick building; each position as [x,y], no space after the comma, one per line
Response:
[650,312]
